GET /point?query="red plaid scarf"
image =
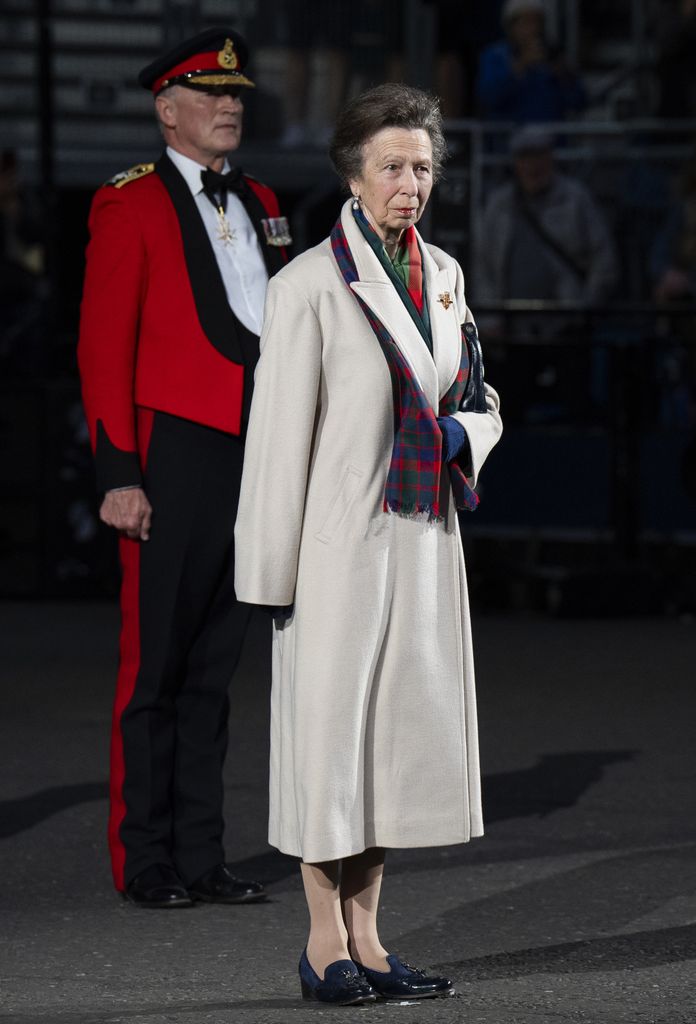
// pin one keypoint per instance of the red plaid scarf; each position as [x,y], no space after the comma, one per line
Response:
[413,481]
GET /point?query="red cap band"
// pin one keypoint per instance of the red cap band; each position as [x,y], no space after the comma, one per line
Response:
[204,62]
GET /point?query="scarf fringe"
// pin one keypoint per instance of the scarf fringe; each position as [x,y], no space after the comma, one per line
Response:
[426,516]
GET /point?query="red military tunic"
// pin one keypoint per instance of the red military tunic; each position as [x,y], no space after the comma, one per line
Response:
[163,359]
[155,328]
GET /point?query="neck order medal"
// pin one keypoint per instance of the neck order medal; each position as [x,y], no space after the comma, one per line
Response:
[226,233]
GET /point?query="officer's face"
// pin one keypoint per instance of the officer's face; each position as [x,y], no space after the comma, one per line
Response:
[202,124]
[396,179]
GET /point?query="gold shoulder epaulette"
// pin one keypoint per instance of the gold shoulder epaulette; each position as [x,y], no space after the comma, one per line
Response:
[132,174]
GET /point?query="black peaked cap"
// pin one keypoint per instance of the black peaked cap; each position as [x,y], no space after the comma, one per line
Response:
[230,55]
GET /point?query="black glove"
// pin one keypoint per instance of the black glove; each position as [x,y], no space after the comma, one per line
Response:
[278,611]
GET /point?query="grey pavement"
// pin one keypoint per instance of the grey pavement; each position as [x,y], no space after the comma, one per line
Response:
[579,904]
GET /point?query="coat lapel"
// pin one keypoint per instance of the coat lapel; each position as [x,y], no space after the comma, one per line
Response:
[444,323]
[377,291]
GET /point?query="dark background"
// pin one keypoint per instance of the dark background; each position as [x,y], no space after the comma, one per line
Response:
[577,907]
[595,478]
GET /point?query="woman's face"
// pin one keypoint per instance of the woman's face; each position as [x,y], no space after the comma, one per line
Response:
[396,179]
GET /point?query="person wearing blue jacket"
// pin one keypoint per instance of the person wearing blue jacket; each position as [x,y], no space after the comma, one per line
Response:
[522,78]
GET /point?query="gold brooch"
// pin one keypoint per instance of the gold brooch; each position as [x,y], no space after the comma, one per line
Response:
[226,57]
[446,299]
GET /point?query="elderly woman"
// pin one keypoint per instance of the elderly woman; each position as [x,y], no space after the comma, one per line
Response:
[369,424]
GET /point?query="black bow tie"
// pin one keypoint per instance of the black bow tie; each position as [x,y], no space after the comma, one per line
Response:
[215,184]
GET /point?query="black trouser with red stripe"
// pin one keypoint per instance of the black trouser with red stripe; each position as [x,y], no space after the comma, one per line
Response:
[181,637]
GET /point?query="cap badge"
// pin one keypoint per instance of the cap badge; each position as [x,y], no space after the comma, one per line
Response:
[226,57]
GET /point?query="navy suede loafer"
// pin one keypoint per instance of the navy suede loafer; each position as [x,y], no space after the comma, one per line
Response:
[404,982]
[343,985]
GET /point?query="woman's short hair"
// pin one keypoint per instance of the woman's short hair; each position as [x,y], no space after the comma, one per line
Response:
[393,105]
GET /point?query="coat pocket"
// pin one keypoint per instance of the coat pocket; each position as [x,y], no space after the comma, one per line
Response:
[342,500]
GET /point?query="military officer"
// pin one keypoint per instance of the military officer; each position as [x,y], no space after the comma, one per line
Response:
[178,261]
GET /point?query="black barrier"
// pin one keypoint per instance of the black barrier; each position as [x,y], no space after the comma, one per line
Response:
[596,468]
[51,542]
[597,464]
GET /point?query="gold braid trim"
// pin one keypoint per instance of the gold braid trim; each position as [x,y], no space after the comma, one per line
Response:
[132,174]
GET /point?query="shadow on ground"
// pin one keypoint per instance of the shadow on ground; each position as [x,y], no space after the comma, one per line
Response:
[555,782]
[637,951]
[27,811]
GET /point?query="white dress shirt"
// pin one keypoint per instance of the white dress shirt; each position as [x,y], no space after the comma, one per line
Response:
[241,262]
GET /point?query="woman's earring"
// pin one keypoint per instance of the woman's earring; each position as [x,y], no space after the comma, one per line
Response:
[356,202]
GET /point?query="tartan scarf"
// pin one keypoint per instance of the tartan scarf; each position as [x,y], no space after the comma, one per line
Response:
[405,272]
[413,481]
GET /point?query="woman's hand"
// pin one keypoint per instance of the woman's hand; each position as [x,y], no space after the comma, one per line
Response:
[454,438]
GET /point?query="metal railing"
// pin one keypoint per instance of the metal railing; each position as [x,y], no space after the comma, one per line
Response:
[630,168]
[619,381]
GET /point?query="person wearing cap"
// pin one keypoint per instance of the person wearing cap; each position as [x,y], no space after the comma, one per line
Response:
[552,241]
[521,78]
[178,262]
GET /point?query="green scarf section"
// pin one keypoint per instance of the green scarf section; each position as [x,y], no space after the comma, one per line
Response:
[397,271]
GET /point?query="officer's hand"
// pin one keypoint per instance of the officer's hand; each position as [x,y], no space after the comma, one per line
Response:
[128,511]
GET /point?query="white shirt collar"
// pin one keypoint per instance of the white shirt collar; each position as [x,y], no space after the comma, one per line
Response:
[190,170]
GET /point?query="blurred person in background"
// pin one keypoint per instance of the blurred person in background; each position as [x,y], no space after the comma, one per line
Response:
[462,30]
[21,269]
[178,264]
[673,256]
[311,34]
[542,234]
[673,270]
[329,51]
[523,77]
[543,237]
[370,423]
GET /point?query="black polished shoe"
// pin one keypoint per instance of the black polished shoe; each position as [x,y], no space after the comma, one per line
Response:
[343,985]
[404,982]
[159,888]
[219,885]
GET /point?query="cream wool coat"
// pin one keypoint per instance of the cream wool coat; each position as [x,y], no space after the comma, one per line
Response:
[373,709]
